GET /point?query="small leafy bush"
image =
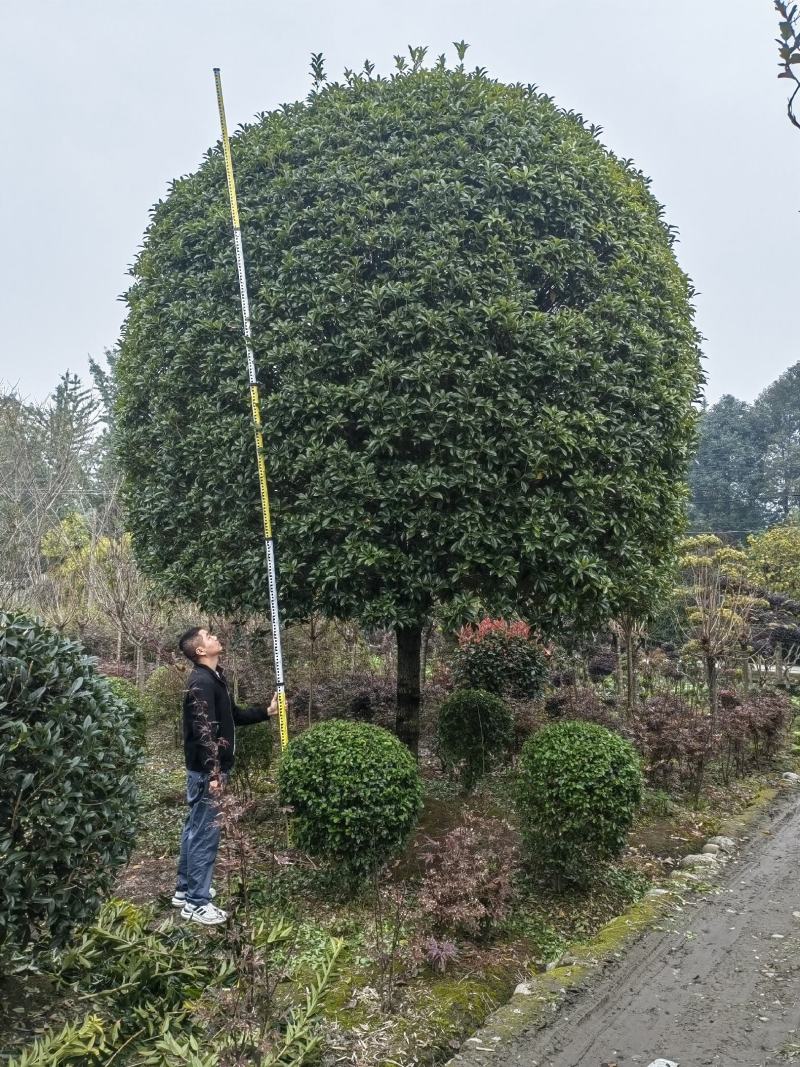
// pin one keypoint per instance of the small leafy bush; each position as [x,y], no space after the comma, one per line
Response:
[676,740]
[585,705]
[474,728]
[578,790]
[751,730]
[500,657]
[354,790]
[359,695]
[468,887]
[68,754]
[602,665]
[254,750]
[439,954]
[126,691]
[164,690]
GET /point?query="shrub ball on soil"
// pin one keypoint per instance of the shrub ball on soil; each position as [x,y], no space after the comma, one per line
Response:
[354,790]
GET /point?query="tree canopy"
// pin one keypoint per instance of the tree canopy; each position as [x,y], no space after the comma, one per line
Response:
[477,354]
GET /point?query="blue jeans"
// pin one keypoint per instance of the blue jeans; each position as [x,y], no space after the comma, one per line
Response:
[199,841]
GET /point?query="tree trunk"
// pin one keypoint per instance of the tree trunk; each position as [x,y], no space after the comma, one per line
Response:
[426,640]
[630,661]
[409,648]
[618,673]
[312,664]
[711,675]
[119,646]
[747,675]
[139,667]
[778,664]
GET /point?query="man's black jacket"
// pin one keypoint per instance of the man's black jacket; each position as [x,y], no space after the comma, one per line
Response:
[209,718]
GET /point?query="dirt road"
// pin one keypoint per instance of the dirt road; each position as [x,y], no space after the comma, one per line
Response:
[718,984]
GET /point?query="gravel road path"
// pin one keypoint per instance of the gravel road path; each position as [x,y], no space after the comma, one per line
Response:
[718,984]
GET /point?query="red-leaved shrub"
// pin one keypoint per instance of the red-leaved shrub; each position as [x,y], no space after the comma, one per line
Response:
[468,885]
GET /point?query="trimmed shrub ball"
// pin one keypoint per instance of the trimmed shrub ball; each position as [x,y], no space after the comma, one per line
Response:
[474,728]
[355,792]
[68,752]
[502,662]
[578,790]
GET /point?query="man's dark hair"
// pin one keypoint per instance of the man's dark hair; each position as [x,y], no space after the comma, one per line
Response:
[188,643]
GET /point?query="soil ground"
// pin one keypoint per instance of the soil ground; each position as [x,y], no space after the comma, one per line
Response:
[717,983]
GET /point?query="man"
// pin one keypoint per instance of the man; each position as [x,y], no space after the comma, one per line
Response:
[210,716]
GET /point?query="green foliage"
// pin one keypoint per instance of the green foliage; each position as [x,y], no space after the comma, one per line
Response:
[726,476]
[67,795]
[148,984]
[164,689]
[136,702]
[773,559]
[254,749]
[354,790]
[298,1044]
[500,662]
[78,1043]
[144,967]
[579,786]
[474,337]
[475,727]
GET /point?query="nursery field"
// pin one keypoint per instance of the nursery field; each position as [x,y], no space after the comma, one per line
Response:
[519,654]
[400,961]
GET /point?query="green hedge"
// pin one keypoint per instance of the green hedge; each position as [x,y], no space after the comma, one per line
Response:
[68,753]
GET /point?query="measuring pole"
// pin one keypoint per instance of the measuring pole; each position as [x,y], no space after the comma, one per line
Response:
[255,406]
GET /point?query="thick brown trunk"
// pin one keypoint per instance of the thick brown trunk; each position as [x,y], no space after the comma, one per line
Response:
[409,645]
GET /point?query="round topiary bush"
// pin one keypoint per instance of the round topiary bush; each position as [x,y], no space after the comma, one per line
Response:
[578,790]
[67,794]
[355,792]
[474,728]
[500,661]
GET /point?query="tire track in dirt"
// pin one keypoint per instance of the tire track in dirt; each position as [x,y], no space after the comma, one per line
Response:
[718,984]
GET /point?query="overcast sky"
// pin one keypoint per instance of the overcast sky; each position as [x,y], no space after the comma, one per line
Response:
[105,101]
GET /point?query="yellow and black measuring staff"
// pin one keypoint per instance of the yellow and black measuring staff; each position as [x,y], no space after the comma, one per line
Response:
[255,405]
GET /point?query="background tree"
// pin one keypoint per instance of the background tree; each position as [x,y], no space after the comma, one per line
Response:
[776,415]
[718,608]
[49,462]
[773,559]
[726,476]
[477,353]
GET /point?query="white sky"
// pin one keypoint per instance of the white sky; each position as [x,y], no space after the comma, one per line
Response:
[105,101]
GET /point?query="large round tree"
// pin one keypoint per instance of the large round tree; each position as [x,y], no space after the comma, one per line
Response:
[477,354]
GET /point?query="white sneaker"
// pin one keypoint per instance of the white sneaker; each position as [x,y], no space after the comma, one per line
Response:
[179,897]
[207,914]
